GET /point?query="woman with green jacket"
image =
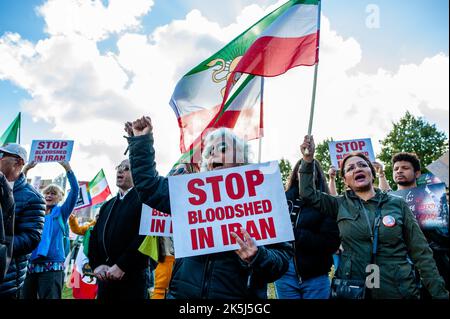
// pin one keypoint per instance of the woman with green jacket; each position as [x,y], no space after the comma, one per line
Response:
[397,235]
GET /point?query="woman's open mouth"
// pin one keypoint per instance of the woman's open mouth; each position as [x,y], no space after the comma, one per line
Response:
[360,177]
[216,165]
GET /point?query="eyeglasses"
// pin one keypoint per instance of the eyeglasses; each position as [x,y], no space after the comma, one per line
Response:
[351,167]
[124,168]
[178,171]
[221,147]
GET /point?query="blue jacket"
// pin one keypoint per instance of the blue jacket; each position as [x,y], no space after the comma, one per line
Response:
[28,225]
[51,247]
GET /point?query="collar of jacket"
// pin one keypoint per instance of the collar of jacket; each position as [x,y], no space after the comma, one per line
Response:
[379,198]
[20,182]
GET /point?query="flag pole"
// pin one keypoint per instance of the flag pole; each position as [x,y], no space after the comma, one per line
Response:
[313,98]
[20,124]
[261,102]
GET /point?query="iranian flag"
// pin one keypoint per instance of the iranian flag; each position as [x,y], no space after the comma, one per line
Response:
[98,188]
[225,90]
[83,287]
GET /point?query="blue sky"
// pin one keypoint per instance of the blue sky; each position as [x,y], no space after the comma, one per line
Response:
[410,31]
[402,24]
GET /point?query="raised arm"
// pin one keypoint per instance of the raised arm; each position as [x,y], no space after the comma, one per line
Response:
[152,189]
[69,204]
[332,181]
[323,202]
[383,183]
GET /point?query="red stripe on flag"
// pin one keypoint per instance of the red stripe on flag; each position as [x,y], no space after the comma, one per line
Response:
[272,56]
[102,196]
[192,125]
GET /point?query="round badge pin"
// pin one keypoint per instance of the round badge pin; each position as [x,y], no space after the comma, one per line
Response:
[388,221]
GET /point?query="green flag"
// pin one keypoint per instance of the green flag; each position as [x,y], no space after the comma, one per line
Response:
[12,132]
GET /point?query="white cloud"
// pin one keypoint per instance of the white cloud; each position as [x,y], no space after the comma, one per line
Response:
[87,95]
[91,19]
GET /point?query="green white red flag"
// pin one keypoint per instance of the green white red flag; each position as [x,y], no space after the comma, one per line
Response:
[225,89]
[99,189]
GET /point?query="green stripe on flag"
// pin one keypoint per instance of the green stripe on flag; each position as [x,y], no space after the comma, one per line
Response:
[236,93]
[97,178]
[239,45]
[12,132]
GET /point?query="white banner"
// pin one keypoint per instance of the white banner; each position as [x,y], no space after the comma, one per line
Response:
[340,149]
[209,206]
[155,223]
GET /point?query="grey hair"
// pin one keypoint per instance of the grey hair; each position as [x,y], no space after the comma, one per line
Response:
[241,155]
[54,188]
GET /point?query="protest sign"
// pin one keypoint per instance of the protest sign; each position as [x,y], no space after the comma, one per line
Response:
[428,203]
[427,178]
[155,223]
[50,151]
[84,199]
[209,206]
[340,149]
[439,168]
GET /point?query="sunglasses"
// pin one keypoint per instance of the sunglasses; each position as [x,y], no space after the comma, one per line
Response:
[221,148]
[123,168]
[351,167]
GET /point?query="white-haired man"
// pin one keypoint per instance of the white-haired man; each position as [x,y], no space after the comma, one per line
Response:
[29,218]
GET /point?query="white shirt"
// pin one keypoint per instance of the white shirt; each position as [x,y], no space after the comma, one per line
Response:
[124,193]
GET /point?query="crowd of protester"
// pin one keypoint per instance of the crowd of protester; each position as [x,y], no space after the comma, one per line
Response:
[338,237]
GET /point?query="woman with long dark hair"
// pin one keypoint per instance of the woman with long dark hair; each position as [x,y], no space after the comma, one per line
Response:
[316,239]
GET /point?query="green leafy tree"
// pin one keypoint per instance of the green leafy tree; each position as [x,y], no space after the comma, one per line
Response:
[322,154]
[285,169]
[411,134]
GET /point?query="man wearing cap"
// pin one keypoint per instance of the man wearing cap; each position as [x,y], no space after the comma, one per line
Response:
[29,218]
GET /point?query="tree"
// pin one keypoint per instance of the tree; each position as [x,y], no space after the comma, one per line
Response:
[285,169]
[413,134]
[322,154]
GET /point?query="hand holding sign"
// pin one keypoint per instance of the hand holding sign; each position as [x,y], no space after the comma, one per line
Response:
[308,144]
[332,172]
[66,165]
[142,126]
[248,248]
[28,166]
[378,168]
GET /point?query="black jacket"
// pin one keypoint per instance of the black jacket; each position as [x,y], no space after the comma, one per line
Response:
[213,276]
[28,225]
[7,207]
[316,238]
[115,237]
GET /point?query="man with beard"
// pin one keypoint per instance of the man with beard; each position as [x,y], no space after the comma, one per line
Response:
[121,270]
[406,171]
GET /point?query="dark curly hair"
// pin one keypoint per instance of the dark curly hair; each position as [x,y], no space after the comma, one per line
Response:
[407,157]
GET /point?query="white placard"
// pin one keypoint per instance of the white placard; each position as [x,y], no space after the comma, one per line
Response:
[155,223]
[340,149]
[50,151]
[208,206]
